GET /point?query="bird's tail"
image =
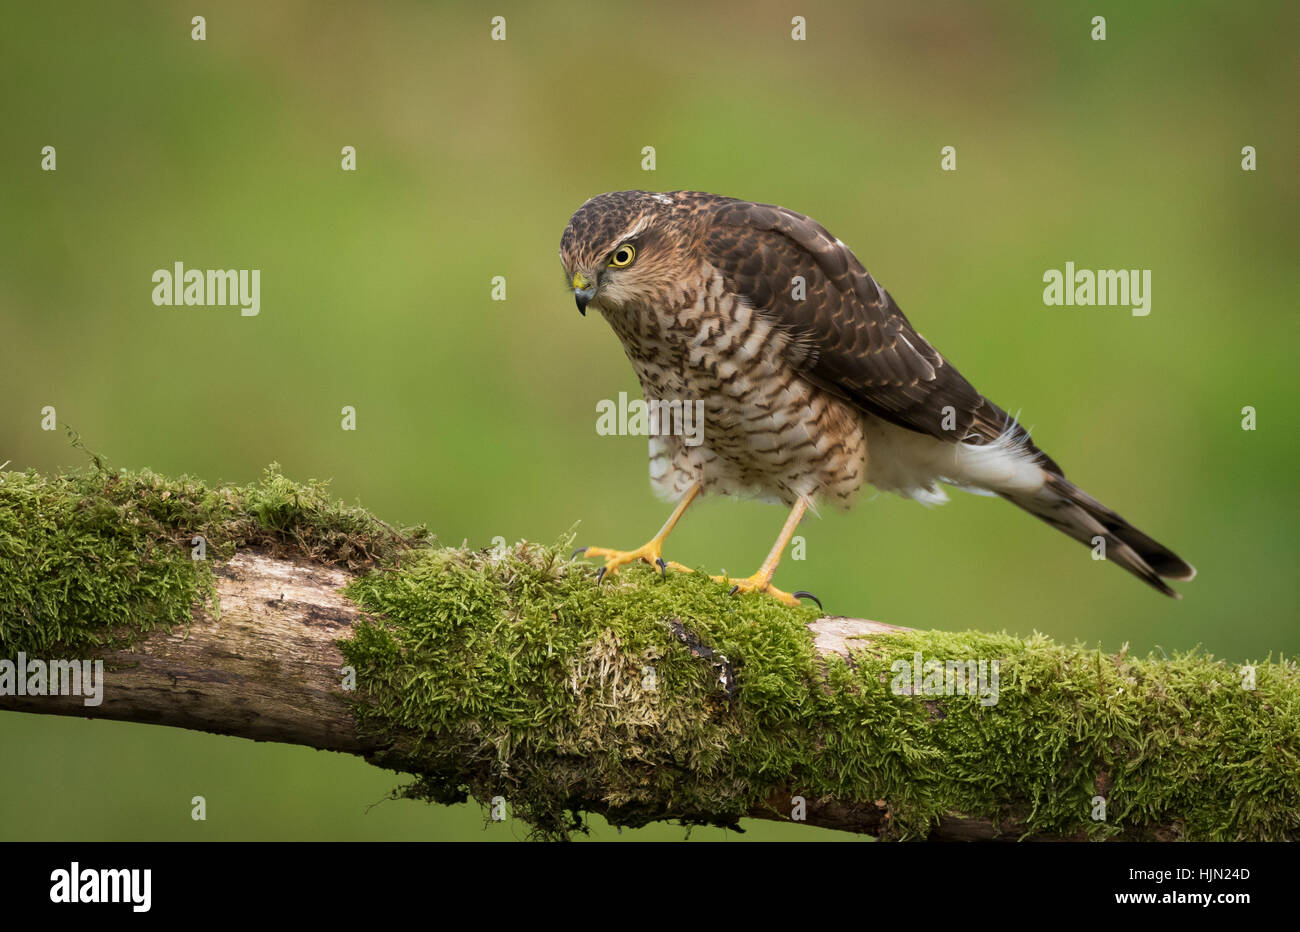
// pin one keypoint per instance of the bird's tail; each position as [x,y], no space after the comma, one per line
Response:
[1068,508]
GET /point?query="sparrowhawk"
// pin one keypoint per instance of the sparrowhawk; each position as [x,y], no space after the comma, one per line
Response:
[812,380]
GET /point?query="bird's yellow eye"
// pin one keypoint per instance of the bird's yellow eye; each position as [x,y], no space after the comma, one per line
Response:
[623,256]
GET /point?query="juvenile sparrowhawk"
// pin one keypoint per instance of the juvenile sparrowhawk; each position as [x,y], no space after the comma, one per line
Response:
[812,380]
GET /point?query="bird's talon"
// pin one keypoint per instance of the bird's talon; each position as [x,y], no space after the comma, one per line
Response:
[802,594]
[574,555]
[614,559]
[758,583]
[601,574]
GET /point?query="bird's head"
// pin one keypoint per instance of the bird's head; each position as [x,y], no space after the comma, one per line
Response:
[617,248]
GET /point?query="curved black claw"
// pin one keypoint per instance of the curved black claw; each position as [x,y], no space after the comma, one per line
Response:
[733,590]
[578,551]
[807,595]
[601,574]
[663,567]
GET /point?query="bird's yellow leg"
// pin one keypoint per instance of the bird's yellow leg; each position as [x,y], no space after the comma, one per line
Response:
[762,580]
[651,551]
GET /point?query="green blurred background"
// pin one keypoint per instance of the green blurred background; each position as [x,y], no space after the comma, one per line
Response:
[478,417]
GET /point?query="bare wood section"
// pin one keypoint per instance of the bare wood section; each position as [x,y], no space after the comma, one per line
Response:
[835,634]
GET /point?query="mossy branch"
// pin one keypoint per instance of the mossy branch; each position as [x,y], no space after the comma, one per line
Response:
[509,673]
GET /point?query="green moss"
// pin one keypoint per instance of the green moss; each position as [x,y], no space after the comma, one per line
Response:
[97,558]
[512,674]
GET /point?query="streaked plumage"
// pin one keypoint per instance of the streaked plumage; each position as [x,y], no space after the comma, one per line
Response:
[808,392]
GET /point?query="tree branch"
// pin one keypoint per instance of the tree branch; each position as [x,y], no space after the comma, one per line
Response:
[260,658]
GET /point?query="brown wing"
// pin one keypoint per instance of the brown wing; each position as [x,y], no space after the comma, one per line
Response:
[848,336]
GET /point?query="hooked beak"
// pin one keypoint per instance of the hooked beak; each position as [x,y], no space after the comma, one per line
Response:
[583,292]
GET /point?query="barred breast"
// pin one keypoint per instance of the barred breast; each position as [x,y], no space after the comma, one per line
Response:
[767,433]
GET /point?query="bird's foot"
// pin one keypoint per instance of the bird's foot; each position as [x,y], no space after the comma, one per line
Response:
[760,582]
[651,552]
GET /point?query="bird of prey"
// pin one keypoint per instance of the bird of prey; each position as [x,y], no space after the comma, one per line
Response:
[812,380]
